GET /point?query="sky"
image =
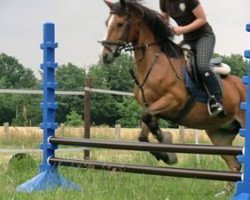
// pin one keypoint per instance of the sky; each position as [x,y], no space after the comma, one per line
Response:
[80,24]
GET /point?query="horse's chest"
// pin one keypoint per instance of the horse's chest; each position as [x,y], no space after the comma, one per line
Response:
[146,95]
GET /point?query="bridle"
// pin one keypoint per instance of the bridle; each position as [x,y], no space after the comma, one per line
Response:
[127,46]
[124,44]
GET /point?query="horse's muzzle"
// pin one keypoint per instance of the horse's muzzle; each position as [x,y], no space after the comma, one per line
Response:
[111,50]
[107,58]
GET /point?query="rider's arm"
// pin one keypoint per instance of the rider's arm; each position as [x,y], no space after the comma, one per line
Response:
[197,23]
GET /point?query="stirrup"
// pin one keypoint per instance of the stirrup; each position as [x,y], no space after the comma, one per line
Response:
[214,107]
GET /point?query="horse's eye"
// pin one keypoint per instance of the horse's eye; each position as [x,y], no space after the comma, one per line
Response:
[119,25]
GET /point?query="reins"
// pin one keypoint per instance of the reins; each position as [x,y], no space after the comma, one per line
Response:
[140,85]
[129,47]
[125,46]
[166,46]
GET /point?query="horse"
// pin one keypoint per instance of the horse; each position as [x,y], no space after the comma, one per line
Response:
[160,80]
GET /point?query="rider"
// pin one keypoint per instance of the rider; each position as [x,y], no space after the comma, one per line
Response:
[192,23]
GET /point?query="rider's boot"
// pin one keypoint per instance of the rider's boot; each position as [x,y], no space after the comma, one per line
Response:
[212,85]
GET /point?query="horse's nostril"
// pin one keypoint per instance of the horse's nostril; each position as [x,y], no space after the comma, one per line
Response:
[105,56]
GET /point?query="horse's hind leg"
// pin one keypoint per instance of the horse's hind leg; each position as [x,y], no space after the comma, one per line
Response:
[225,138]
[150,124]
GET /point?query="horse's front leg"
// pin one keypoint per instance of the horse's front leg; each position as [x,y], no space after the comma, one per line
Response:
[144,137]
[150,123]
[163,104]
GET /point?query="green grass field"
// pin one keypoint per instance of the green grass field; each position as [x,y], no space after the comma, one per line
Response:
[104,185]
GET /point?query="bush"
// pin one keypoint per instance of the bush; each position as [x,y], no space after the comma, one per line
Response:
[74,119]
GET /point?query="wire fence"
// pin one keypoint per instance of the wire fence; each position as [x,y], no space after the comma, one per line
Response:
[71,93]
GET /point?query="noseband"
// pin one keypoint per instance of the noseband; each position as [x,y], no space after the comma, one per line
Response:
[123,44]
[120,46]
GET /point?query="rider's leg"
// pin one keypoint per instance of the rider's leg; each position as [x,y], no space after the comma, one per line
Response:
[204,51]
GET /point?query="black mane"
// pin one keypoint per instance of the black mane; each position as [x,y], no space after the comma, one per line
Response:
[153,19]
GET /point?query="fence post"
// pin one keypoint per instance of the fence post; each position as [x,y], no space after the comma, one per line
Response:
[181,134]
[87,116]
[117,131]
[196,139]
[62,129]
[6,130]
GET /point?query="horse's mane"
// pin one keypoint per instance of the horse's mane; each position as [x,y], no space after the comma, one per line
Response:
[162,33]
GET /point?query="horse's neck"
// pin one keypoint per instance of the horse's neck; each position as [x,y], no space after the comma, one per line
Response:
[145,59]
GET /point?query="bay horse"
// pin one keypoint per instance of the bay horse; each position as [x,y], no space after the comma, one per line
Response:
[159,77]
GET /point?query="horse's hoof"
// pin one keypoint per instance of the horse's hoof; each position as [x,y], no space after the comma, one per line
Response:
[167,138]
[169,158]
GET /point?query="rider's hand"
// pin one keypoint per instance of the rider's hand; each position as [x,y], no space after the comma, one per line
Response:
[178,30]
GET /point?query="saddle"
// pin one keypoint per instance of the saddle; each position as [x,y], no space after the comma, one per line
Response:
[194,84]
[218,67]
[192,78]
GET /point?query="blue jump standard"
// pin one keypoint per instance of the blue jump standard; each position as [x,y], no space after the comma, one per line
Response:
[49,177]
[243,187]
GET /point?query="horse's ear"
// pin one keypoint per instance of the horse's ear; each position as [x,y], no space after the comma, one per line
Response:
[109,3]
[123,3]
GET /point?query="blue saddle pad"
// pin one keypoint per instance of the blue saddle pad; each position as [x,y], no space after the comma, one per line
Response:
[194,90]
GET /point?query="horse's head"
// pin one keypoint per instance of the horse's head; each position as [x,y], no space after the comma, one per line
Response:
[132,24]
[122,29]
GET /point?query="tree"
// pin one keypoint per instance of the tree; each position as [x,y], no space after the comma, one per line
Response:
[74,119]
[27,110]
[118,75]
[15,75]
[130,113]
[104,107]
[69,77]
[114,76]
[237,63]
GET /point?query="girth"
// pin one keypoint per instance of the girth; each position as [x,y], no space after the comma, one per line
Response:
[185,110]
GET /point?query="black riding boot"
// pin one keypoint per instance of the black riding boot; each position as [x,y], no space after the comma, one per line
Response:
[212,85]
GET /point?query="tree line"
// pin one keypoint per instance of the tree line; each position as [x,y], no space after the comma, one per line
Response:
[24,109]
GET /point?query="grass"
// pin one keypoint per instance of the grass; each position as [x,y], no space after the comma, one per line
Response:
[104,185]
